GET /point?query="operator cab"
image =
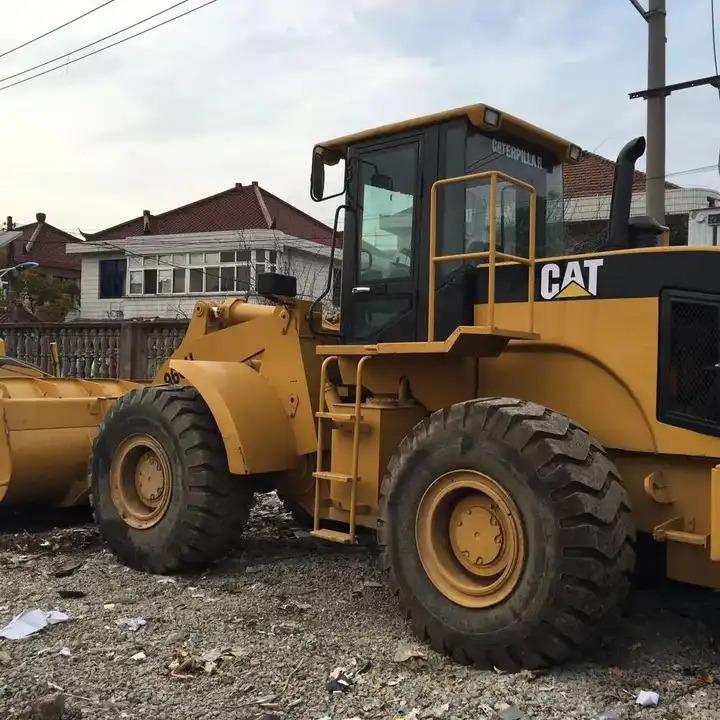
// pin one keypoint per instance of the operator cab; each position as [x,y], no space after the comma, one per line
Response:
[390,181]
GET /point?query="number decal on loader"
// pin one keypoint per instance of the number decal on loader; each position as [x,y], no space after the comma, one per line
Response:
[173,377]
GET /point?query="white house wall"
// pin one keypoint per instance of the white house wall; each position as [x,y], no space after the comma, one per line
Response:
[309,266]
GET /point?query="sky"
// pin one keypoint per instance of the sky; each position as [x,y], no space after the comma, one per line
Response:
[241,90]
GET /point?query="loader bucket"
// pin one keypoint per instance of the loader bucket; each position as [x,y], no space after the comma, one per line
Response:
[47,426]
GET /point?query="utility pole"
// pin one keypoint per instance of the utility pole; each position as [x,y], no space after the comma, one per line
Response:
[655,167]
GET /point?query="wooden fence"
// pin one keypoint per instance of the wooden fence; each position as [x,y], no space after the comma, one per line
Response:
[103,349]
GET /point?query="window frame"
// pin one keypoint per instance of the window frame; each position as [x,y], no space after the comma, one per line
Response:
[140,264]
[119,284]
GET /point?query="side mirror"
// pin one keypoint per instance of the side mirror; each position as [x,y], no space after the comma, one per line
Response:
[317,176]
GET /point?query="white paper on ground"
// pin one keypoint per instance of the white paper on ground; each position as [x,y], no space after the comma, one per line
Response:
[646,698]
[29,622]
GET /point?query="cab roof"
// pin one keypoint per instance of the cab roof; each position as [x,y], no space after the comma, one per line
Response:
[335,149]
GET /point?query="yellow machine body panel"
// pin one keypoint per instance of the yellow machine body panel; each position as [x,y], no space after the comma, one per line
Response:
[48,427]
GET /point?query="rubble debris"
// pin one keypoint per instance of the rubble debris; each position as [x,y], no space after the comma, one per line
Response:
[340,680]
[647,698]
[29,622]
[68,568]
[139,656]
[48,707]
[405,652]
[133,624]
[510,713]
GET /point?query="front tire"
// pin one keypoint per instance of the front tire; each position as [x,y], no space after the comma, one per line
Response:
[162,493]
[505,532]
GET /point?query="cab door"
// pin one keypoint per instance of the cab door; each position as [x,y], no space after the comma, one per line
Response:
[385,253]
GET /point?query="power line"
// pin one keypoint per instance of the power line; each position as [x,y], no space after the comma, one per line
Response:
[55,29]
[107,47]
[85,47]
[714,47]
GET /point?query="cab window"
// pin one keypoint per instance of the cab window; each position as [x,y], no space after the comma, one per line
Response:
[388,183]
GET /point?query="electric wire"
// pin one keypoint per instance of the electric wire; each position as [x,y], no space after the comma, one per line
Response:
[59,27]
[95,42]
[107,47]
[714,42]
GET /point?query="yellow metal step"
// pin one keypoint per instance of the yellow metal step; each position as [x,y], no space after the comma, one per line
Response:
[335,536]
[337,417]
[333,477]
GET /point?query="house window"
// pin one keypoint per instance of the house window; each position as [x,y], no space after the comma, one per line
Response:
[112,278]
[221,271]
[336,286]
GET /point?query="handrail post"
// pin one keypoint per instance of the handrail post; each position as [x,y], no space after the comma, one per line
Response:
[492,220]
[320,439]
[431,268]
[531,257]
[356,443]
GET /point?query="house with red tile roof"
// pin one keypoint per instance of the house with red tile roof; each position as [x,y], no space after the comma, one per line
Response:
[160,265]
[587,192]
[39,242]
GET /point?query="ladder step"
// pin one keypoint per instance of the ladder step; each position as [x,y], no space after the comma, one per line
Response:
[343,420]
[337,417]
[333,477]
[335,536]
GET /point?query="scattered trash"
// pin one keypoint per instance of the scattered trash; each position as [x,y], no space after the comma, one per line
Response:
[615,670]
[65,651]
[109,606]
[48,707]
[291,605]
[405,653]
[71,594]
[340,680]
[394,681]
[251,569]
[647,698]
[132,624]
[511,713]
[286,628]
[185,664]
[707,678]
[29,622]
[437,712]
[166,581]
[609,715]
[68,569]
[139,656]
[529,675]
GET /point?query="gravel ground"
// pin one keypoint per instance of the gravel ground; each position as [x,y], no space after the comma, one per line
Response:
[259,635]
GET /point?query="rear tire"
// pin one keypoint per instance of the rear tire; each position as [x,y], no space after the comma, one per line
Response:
[161,490]
[572,524]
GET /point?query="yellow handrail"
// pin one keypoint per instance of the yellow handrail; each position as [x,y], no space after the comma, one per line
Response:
[492,255]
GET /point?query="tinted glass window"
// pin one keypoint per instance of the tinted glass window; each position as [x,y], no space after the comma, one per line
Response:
[112,278]
[388,187]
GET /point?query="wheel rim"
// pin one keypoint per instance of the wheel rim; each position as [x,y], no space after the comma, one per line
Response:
[470,538]
[141,481]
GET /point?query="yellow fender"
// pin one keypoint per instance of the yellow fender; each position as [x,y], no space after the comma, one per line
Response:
[251,418]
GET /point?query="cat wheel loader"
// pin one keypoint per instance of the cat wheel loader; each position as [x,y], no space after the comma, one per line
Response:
[504,414]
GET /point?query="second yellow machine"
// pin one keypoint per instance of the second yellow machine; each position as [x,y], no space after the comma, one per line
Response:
[504,414]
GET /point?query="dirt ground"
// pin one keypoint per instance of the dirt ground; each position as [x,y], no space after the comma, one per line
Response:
[259,635]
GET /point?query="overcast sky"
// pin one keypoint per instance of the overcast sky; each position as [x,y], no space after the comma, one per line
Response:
[240,91]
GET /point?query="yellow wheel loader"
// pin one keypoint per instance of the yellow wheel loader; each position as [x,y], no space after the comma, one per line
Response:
[503,413]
